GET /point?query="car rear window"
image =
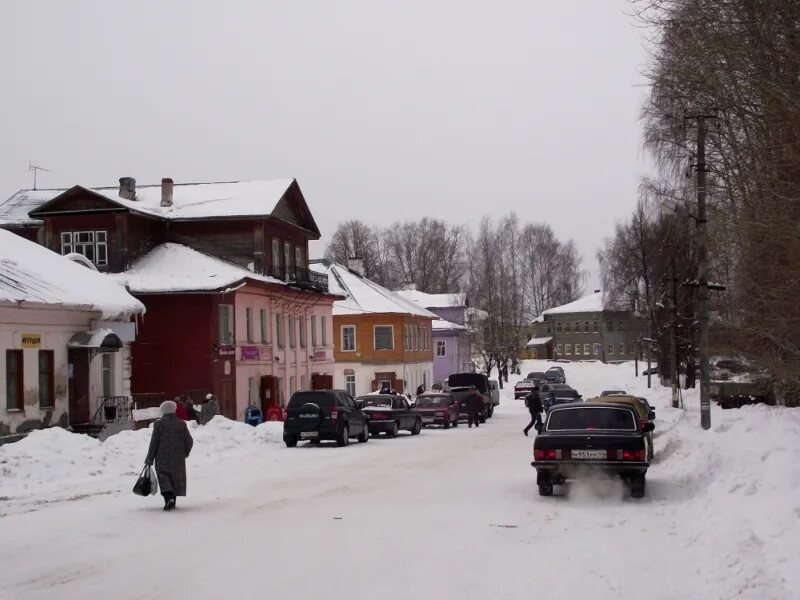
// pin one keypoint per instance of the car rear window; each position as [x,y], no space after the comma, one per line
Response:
[597,417]
[432,401]
[318,398]
[377,401]
[537,375]
[466,380]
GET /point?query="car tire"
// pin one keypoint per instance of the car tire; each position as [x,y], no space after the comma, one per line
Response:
[638,486]
[394,430]
[482,418]
[344,436]
[417,427]
[363,437]
[290,442]
[490,412]
[546,489]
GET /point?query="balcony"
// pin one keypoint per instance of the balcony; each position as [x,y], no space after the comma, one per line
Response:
[302,278]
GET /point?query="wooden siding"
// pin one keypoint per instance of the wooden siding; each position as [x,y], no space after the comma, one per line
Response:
[365,348]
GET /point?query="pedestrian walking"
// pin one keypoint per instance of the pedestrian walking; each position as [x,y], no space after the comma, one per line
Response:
[180,409]
[534,404]
[210,409]
[474,406]
[170,445]
[192,413]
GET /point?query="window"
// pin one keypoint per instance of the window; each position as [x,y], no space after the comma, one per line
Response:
[384,337]
[348,338]
[301,322]
[407,337]
[577,349]
[568,349]
[621,349]
[299,259]
[586,327]
[14,379]
[262,320]
[47,396]
[291,327]
[441,348]
[611,349]
[595,326]
[558,349]
[107,369]
[610,325]
[587,348]
[621,325]
[248,320]
[92,244]
[558,327]
[566,327]
[324,327]
[276,257]
[314,331]
[226,324]
[287,261]
[350,384]
[577,326]
[279,330]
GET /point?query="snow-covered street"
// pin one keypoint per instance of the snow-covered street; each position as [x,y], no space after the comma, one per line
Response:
[447,514]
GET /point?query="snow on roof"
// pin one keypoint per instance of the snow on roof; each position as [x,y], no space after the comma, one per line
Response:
[476,313]
[442,325]
[189,200]
[539,341]
[591,303]
[175,268]
[363,296]
[426,300]
[14,210]
[32,273]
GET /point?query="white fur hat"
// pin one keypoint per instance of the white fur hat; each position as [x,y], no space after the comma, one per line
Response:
[209,396]
[168,407]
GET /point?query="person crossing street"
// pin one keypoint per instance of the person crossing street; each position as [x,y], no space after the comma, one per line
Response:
[534,404]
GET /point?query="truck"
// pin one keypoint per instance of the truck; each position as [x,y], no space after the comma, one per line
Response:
[459,383]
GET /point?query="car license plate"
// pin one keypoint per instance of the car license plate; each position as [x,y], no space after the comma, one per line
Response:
[588,454]
[307,435]
[427,419]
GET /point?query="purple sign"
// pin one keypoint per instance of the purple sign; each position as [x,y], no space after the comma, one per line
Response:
[320,355]
[251,353]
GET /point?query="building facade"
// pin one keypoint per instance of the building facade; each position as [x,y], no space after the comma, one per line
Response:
[379,338]
[585,330]
[65,339]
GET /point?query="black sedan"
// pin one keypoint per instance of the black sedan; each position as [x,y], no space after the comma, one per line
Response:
[581,438]
[389,414]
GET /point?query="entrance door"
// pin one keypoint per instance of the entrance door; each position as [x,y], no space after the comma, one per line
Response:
[78,360]
[227,398]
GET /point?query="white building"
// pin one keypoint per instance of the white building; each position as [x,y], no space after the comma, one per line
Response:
[65,333]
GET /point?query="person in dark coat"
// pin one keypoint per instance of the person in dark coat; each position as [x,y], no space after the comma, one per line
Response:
[474,406]
[192,414]
[420,390]
[170,445]
[534,404]
[180,409]
[210,409]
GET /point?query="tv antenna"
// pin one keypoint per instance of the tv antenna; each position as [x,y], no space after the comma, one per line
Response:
[35,168]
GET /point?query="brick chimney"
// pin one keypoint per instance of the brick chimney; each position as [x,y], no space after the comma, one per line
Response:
[166,192]
[356,265]
[127,188]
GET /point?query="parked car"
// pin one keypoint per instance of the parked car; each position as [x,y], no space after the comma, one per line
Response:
[605,393]
[561,396]
[324,415]
[523,387]
[536,376]
[548,387]
[494,392]
[438,409]
[459,383]
[650,371]
[582,438]
[550,377]
[390,414]
[642,414]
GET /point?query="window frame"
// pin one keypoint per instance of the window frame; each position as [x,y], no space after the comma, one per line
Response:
[567,349]
[280,342]
[558,350]
[586,327]
[587,349]
[324,330]
[301,330]
[227,335]
[621,349]
[577,327]
[348,382]
[291,329]
[595,325]
[19,383]
[107,373]
[375,336]
[441,348]
[313,331]
[50,401]
[276,257]
[558,327]
[610,350]
[95,239]
[262,322]
[342,338]
[578,350]
[287,260]
[248,324]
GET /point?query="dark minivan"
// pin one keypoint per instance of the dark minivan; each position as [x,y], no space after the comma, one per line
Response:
[324,415]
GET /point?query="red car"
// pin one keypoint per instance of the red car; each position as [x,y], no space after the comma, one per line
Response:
[523,388]
[437,408]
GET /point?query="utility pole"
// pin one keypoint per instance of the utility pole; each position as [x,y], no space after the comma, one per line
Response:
[673,345]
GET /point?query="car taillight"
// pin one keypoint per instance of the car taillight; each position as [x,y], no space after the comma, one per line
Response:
[334,414]
[638,455]
[546,454]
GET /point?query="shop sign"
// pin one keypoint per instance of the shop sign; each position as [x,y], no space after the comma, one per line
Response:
[250,353]
[31,340]
[226,350]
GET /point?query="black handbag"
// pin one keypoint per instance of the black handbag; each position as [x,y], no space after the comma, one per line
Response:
[144,484]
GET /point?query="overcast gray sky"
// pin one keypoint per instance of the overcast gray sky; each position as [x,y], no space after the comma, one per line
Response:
[381,110]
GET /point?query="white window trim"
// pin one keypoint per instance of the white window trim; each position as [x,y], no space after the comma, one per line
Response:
[323,320]
[263,325]
[443,345]
[355,341]
[313,331]
[347,383]
[248,324]
[374,331]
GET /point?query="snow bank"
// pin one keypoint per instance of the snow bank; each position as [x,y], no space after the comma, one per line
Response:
[54,460]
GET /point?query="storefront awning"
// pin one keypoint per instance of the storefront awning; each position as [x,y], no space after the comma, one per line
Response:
[540,341]
[98,339]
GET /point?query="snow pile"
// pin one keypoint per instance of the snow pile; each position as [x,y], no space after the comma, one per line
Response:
[52,460]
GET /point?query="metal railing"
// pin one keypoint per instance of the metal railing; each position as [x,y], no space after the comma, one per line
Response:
[113,409]
[301,277]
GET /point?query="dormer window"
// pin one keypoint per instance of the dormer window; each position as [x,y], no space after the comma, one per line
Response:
[91,244]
